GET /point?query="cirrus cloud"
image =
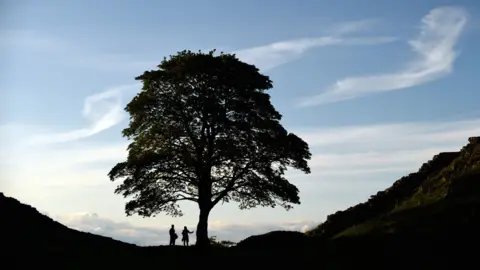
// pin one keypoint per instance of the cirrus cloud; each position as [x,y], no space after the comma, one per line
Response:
[102,110]
[278,53]
[435,56]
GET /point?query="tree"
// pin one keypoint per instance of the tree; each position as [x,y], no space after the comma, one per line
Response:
[203,130]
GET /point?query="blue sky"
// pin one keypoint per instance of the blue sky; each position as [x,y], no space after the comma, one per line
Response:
[375,87]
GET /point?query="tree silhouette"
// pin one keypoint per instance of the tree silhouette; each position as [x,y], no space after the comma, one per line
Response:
[204,130]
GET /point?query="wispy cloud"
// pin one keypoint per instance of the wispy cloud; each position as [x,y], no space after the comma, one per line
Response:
[435,55]
[278,53]
[393,147]
[273,55]
[354,26]
[102,110]
[391,135]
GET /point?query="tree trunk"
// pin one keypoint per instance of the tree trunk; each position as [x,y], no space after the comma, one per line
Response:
[202,228]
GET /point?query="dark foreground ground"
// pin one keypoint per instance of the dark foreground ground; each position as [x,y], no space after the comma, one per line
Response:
[436,237]
[297,251]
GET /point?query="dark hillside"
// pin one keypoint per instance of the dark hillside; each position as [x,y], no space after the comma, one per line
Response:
[24,229]
[445,192]
[383,201]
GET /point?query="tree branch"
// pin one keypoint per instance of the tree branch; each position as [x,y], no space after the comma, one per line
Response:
[231,184]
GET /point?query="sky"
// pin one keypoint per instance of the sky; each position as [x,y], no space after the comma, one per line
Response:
[376,87]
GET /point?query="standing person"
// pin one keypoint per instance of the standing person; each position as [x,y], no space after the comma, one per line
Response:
[185,233]
[173,236]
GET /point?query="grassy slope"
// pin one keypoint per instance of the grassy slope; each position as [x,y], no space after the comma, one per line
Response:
[443,195]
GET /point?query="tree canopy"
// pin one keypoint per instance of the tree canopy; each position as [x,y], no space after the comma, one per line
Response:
[203,129]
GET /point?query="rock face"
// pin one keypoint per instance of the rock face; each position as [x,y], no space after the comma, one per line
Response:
[474,140]
[447,175]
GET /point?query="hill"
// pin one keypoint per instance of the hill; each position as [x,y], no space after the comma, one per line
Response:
[29,237]
[23,230]
[443,195]
[426,220]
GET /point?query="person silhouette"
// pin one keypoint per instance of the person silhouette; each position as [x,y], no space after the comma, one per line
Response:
[185,233]
[173,235]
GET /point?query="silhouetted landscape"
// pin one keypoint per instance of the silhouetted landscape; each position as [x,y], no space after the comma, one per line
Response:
[118,149]
[428,219]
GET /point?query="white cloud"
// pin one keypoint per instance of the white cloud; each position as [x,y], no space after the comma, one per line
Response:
[374,161]
[158,235]
[435,56]
[64,165]
[394,147]
[273,55]
[354,26]
[102,110]
[392,136]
